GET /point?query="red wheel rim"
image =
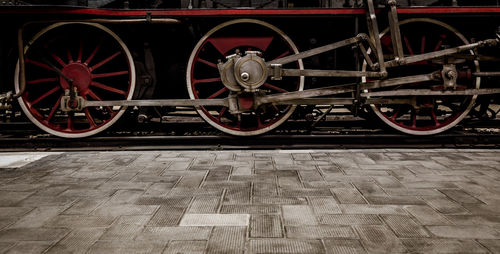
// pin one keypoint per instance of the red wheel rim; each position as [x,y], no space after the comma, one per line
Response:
[432,114]
[95,59]
[204,81]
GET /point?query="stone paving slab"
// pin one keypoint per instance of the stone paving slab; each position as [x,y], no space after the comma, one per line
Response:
[282,201]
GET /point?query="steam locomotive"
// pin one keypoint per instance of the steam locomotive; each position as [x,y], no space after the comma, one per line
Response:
[419,66]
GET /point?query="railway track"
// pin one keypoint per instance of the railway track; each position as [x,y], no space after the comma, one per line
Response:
[320,138]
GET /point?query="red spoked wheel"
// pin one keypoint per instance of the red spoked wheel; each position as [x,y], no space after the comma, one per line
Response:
[431,114]
[94,58]
[204,81]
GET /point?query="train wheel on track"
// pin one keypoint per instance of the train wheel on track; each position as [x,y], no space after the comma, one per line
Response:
[204,81]
[431,114]
[98,62]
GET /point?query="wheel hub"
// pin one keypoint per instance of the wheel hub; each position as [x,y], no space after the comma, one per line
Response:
[243,73]
[80,74]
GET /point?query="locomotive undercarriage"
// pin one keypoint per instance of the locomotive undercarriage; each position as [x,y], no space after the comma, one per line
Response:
[259,78]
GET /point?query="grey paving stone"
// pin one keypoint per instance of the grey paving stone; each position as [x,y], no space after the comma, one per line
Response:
[237,196]
[265,226]
[349,219]
[165,201]
[303,192]
[227,240]
[324,205]
[136,247]
[84,206]
[215,220]
[298,215]
[174,233]
[78,241]
[426,215]
[474,219]
[250,209]
[404,226]
[388,181]
[14,211]
[492,244]
[10,198]
[167,216]
[460,196]
[445,205]
[279,200]
[186,247]
[290,246]
[343,246]
[327,184]
[190,181]
[27,247]
[465,232]
[379,239]
[430,245]
[264,189]
[412,192]
[32,234]
[318,232]
[394,200]
[79,221]
[204,205]
[310,176]
[37,217]
[158,189]
[348,196]
[124,209]
[372,209]
[122,232]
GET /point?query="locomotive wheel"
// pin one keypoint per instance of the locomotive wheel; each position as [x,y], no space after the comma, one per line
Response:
[431,114]
[94,58]
[204,81]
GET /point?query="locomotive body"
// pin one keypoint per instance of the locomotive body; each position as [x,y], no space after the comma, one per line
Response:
[418,66]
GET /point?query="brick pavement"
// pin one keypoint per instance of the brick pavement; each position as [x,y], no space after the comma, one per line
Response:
[322,201]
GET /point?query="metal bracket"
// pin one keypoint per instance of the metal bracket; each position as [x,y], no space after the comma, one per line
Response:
[276,72]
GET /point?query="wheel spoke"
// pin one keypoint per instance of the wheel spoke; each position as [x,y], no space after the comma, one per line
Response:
[36,63]
[42,80]
[395,113]
[413,118]
[51,91]
[110,74]
[286,53]
[89,117]
[408,45]
[108,88]
[103,62]
[208,80]
[94,52]
[80,51]
[70,121]
[221,113]
[58,59]
[53,110]
[207,63]
[387,41]
[440,42]
[275,88]
[434,117]
[70,57]
[217,93]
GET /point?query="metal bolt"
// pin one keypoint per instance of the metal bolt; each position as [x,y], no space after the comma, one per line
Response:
[245,76]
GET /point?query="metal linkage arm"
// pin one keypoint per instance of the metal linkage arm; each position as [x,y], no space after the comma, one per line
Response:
[441,53]
[153,103]
[320,50]
[328,73]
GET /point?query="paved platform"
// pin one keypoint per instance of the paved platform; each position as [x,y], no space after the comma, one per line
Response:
[321,201]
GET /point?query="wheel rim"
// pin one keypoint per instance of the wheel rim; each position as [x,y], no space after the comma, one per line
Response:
[203,79]
[98,62]
[436,114]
